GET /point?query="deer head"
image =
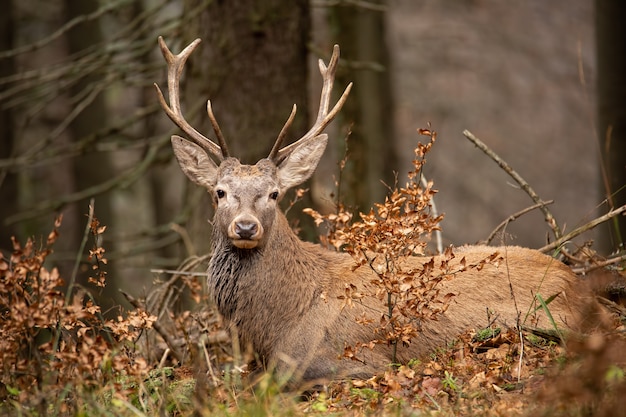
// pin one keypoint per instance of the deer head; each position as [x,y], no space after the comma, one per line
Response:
[246,196]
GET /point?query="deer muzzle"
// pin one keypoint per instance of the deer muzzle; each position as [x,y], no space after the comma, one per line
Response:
[245,232]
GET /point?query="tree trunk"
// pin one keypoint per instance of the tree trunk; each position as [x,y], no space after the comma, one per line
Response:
[372,158]
[92,168]
[611,60]
[252,65]
[8,179]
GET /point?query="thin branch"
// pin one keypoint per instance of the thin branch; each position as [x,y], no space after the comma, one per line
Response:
[93,93]
[366,5]
[523,184]
[182,273]
[146,246]
[106,8]
[599,264]
[123,180]
[81,250]
[159,303]
[612,306]
[435,214]
[564,239]
[52,155]
[513,217]
[71,284]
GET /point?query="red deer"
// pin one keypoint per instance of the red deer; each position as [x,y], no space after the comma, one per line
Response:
[283,294]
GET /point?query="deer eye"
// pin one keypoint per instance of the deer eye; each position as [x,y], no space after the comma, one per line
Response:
[220,193]
[274,195]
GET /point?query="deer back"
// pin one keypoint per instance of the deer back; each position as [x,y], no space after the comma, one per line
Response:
[502,292]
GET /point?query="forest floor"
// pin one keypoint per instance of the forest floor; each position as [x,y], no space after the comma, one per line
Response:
[485,373]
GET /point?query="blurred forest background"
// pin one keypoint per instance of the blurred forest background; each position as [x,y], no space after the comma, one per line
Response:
[79,117]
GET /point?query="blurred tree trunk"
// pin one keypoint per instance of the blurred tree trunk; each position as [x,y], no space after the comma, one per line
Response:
[611,60]
[92,168]
[372,157]
[8,179]
[164,208]
[252,65]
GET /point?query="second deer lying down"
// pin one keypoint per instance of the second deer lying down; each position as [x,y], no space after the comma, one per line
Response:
[283,294]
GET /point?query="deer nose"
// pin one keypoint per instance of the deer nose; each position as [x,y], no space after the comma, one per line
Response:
[246,229]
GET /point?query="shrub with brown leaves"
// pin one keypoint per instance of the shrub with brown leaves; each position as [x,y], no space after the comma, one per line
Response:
[55,342]
[396,229]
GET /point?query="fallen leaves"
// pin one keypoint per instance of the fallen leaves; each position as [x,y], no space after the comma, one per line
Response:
[471,378]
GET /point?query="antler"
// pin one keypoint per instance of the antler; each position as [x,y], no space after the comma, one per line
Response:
[175,65]
[324,117]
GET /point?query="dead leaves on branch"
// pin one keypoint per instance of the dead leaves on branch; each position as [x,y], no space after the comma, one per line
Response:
[399,228]
[96,254]
[52,340]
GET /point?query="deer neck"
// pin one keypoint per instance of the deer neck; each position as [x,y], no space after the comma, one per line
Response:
[263,290]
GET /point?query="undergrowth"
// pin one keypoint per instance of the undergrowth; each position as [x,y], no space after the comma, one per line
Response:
[56,350]
[60,357]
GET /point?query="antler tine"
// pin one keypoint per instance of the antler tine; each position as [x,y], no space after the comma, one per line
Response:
[324,117]
[216,129]
[175,65]
[282,134]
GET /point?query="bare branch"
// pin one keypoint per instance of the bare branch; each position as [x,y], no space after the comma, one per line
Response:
[105,8]
[597,265]
[514,217]
[552,246]
[523,184]
[126,178]
[366,5]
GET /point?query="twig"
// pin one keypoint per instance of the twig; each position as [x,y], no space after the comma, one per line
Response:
[125,179]
[62,30]
[207,359]
[614,307]
[523,184]
[96,140]
[598,265]
[175,272]
[81,250]
[366,5]
[552,246]
[72,283]
[184,235]
[520,362]
[144,246]
[433,208]
[158,302]
[513,217]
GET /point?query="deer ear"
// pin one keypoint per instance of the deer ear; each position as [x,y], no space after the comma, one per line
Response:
[194,162]
[301,163]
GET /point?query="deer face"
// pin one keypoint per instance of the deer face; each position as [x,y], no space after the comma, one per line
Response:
[246,196]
